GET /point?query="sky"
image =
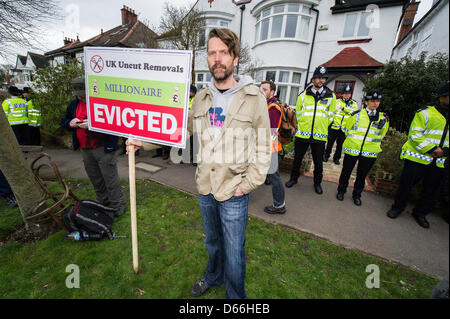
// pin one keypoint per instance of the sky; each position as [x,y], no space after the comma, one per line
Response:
[86,18]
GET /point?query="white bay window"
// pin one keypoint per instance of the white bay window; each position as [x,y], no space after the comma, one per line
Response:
[287,21]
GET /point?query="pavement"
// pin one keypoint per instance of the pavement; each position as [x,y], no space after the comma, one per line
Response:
[365,228]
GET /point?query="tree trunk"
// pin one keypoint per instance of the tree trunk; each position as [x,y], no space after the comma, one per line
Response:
[17,171]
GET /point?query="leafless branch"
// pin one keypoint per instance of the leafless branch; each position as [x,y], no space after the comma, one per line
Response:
[22,21]
[181,28]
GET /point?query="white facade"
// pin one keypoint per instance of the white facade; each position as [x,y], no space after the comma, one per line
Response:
[80,56]
[430,34]
[57,60]
[17,78]
[22,75]
[355,29]
[381,33]
[61,59]
[280,33]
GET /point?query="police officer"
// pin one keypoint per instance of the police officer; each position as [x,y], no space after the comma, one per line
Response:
[424,155]
[344,107]
[34,119]
[315,108]
[192,92]
[365,130]
[16,111]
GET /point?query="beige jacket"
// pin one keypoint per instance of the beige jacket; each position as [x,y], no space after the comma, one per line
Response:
[240,156]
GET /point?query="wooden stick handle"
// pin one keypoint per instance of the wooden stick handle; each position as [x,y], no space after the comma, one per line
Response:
[132,177]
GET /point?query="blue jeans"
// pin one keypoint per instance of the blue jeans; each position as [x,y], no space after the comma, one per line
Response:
[224,226]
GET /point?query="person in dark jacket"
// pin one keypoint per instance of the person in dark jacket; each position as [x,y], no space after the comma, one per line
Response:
[98,151]
[6,192]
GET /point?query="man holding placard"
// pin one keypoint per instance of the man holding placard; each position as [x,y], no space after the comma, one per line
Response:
[231,121]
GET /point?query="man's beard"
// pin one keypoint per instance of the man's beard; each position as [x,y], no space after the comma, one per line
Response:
[318,85]
[223,76]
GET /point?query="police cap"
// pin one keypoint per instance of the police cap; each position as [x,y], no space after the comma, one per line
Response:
[14,90]
[193,89]
[320,72]
[347,89]
[373,95]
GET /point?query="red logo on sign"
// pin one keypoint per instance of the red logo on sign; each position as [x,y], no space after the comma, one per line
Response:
[97,64]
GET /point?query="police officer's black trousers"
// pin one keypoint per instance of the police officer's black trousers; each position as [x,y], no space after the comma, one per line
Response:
[432,177]
[317,150]
[364,166]
[335,136]
[34,135]
[21,130]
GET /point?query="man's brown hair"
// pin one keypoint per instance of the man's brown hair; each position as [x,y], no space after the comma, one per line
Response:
[273,87]
[229,38]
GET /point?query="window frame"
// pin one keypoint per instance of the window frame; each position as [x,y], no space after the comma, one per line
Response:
[262,76]
[210,26]
[205,81]
[300,14]
[356,27]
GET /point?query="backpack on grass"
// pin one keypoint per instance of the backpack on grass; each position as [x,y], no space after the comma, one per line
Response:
[90,217]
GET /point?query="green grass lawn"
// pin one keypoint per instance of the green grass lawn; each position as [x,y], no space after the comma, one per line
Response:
[281,263]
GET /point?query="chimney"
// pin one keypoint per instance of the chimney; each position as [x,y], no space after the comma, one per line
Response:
[69,40]
[128,15]
[408,20]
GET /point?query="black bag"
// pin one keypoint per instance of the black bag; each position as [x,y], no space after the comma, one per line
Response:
[91,217]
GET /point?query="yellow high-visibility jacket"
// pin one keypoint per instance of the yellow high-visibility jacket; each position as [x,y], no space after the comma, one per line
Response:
[16,110]
[363,136]
[315,114]
[425,133]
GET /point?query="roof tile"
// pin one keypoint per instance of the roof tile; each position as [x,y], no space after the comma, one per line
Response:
[352,57]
